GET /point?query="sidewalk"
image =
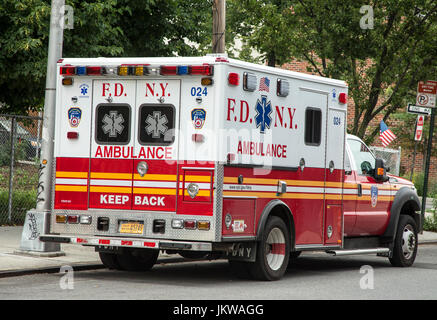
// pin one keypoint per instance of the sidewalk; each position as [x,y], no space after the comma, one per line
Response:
[78,257]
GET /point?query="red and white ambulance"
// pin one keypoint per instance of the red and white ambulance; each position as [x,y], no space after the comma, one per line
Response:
[209,155]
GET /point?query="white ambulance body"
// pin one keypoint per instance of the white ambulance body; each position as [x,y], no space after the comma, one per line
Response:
[202,154]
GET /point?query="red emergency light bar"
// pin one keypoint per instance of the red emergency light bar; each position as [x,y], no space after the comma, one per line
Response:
[127,70]
[203,70]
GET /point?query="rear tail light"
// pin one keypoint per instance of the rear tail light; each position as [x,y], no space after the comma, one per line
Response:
[177,224]
[85,219]
[61,218]
[190,224]
[73,218]
[203,225]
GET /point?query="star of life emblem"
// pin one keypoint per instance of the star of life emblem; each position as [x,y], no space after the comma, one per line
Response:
[156,124]
[113,124]
[263,111]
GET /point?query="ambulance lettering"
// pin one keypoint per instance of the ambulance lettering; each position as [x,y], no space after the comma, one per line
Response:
[113,89]
[152,89]
[149,201]
[260,149]
[126,152]
[113,199]
[282,116]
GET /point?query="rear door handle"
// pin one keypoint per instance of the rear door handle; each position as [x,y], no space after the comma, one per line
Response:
[360,190]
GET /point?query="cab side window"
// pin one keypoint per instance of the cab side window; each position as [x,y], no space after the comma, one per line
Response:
[363,158]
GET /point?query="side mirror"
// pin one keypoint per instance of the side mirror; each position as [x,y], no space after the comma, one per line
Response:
[380,171]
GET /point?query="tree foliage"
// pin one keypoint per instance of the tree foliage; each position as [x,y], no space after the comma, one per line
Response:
[381,62]
[101,28]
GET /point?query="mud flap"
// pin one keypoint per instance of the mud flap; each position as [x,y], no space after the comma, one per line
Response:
[243,251]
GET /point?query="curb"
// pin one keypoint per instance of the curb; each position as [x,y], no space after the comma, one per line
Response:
[76,267]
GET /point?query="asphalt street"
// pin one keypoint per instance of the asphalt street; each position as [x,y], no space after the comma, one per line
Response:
[313,276]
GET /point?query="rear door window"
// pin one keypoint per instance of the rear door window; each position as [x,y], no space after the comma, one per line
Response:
[156,124]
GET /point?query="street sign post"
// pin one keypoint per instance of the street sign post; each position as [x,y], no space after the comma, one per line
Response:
[426,97]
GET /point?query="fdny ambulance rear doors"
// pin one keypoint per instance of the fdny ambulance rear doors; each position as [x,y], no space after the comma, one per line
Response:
[134,150]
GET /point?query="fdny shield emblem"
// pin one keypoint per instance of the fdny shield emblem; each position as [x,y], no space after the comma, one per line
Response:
[198,117]
[374,195]
[74,116]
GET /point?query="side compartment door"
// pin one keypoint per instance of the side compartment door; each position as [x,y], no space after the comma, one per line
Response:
[112,144]
[334,170]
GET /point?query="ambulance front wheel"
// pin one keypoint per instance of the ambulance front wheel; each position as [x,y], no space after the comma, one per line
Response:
[405,246]
[273,251]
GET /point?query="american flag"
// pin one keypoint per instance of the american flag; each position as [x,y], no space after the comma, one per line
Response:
[385,134]
[264,84]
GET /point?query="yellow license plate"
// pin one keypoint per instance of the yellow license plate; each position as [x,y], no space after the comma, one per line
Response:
[132,227]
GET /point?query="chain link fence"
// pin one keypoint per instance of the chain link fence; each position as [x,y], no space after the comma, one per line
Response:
[391,157]
[20,148]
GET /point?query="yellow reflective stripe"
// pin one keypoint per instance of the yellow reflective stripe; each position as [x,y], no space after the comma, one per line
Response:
[164,191]
[201,193]
[156,177]
[71,188]
[191,178]
[111,189]
[105,175]
[71,174]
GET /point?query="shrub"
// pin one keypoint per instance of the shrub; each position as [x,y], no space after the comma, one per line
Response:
[430,223]
[22,201]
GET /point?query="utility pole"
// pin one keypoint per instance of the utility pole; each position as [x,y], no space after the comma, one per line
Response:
[218,26]
[54,54]
[37,220]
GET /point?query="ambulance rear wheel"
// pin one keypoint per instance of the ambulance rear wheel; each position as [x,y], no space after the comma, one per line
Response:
[273,251]
[137,260]
[109,260]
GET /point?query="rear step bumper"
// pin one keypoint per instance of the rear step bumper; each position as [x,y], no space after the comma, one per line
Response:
[129,242]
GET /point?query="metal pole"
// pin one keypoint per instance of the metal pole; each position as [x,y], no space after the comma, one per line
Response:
[11,170]
[54,54]
[428,158]
[414,161]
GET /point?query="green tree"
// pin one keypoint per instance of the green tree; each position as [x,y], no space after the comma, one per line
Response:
[101,28]
[381,61]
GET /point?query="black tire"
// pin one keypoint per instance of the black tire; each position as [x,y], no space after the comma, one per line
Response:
[109,260]
[193,254]
[405,245]
[293,257]
[273,252]
[137,260]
